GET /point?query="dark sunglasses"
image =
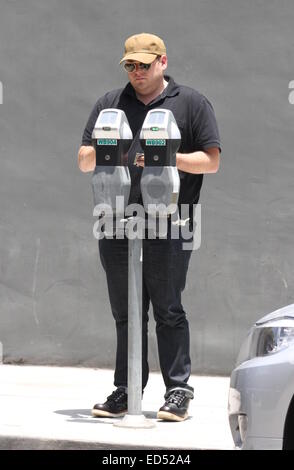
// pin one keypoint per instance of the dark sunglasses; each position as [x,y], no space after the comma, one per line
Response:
[135,66]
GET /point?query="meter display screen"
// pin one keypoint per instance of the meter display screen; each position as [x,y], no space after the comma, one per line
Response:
[108,118]
[156,118]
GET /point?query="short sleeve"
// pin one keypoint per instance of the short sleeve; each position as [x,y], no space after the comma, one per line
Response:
[87,134]
[205,128]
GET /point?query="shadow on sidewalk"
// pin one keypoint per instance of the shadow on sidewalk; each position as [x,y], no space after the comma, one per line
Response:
[85,416]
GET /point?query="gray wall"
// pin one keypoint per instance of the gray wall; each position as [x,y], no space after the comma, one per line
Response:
[56,59]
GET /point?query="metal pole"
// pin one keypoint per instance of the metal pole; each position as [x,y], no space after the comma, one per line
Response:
[135,327]
[134,418]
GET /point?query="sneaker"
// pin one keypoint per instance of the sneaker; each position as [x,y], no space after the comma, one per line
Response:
[176,405]
[115,405]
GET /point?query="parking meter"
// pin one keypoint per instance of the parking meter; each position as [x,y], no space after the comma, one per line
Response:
[160,139]
[111,138]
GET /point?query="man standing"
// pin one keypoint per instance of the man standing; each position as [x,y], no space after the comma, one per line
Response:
[165,263]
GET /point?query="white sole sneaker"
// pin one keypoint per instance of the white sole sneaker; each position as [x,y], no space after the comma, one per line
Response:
[171,416]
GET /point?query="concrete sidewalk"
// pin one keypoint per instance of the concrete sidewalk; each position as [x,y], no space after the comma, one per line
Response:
[44,407]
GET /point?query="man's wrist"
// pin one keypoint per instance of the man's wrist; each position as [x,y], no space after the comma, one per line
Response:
[179,160]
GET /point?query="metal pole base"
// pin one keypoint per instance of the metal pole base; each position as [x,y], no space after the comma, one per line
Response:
[135,422]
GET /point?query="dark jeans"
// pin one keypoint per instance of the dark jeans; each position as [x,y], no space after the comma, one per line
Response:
[165,266]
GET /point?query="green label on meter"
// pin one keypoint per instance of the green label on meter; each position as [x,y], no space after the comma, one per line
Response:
[158,142]
[106,141]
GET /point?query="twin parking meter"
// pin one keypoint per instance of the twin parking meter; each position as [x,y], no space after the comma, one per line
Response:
[160,184]
[160,139]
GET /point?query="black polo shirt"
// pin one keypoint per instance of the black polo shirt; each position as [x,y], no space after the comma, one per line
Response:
[195,118]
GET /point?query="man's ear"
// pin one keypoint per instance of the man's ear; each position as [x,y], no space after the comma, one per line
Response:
[164,62]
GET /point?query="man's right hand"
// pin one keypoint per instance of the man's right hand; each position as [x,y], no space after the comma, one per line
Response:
[87,158]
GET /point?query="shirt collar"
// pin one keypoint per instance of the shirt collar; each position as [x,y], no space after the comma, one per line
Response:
[172,89]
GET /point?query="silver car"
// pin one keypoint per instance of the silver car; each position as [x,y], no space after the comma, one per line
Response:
[261,396]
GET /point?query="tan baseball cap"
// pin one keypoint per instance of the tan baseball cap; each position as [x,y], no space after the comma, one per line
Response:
[144,48]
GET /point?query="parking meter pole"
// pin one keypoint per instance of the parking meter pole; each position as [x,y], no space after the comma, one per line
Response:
[135,328]
[134,417]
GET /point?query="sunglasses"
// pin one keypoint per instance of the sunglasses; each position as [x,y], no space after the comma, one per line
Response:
[131,67]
